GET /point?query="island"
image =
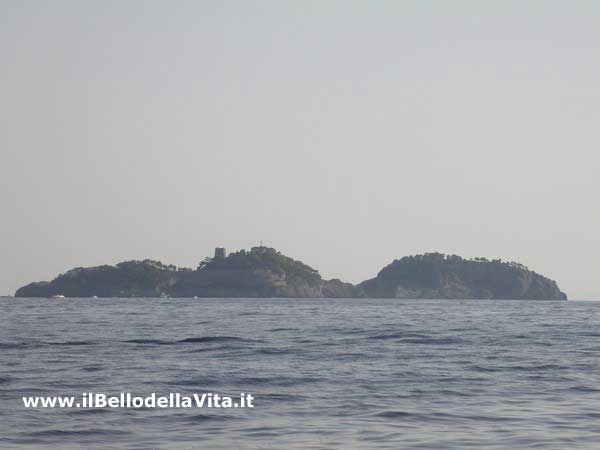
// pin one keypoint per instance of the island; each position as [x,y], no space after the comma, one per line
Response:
[259,272]
[435,275]
[265,272]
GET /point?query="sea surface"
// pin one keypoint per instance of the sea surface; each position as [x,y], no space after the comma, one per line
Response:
[325,374]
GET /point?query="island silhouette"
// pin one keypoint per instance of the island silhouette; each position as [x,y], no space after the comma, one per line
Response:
[265,272]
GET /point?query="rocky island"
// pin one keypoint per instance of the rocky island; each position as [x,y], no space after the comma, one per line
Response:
[260,272]
[265,272]
[435,275]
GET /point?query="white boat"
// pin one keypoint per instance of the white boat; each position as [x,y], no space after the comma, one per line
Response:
[57,296]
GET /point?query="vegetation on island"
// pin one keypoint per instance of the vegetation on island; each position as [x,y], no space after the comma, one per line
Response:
[259,272]
[435,275]
[145,278]
[265,272]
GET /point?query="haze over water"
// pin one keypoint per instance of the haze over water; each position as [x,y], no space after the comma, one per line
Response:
[326,374]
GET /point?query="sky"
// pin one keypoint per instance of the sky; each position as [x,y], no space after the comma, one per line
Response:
[343,133]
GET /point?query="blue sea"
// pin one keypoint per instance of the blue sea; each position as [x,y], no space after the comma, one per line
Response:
[324,374]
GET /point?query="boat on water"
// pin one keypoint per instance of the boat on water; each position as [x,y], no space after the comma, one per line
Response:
[57,296]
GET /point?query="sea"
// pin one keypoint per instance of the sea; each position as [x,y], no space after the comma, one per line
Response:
[323,373]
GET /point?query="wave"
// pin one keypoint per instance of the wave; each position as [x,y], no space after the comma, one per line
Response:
[277,351]
[71,343]
[149,342]
[14,345]
[431,417]
[418,338]
[210,339]
[395,414]
[89,411]
[278,381]
[190,340]
[37,344]
[398,335]
[432,341]
[583,389]
[77,433]
[208,418]
[535,368]
[198,381]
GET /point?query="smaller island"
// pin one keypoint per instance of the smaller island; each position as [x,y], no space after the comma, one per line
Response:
[265,272]
[435,275]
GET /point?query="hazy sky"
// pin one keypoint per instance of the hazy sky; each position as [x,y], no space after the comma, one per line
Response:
[344,134]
